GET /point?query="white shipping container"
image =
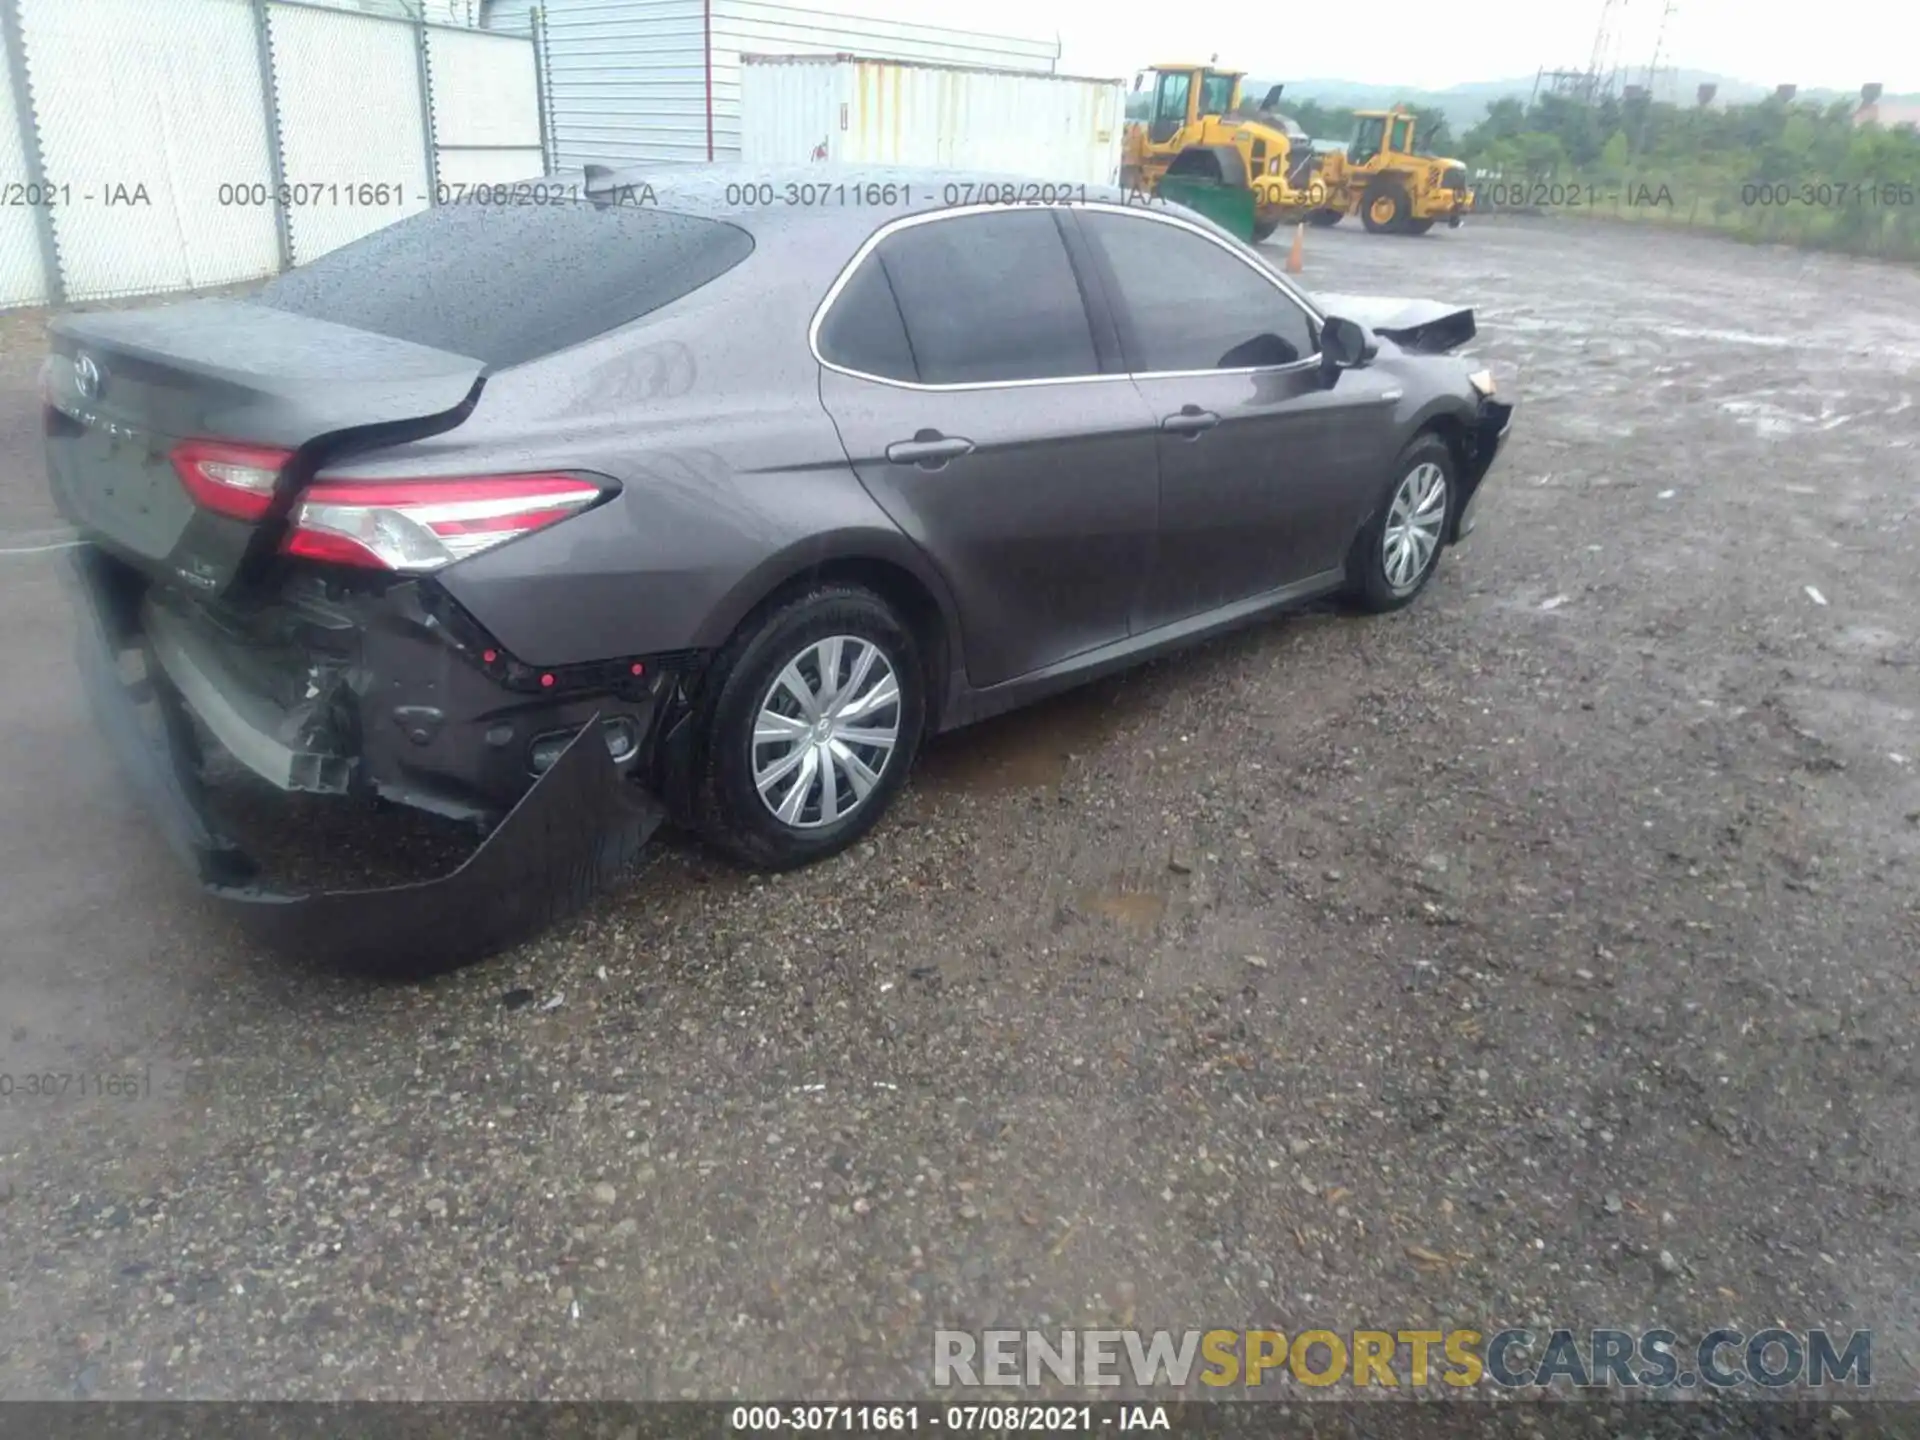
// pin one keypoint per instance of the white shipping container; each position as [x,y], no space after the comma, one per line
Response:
[854,110]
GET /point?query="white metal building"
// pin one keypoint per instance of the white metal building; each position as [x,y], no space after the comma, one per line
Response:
[648,81]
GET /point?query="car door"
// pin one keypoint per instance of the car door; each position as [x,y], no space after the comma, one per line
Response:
[960,363]
[1264,468]
[1169,106]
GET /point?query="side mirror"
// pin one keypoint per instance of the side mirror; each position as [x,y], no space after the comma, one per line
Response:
[1344,345]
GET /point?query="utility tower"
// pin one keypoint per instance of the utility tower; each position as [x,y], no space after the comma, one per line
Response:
[1654,68]
[1648,90]
[1601,78]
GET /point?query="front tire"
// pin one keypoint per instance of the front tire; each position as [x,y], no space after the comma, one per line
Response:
[1325,217]
[810,720]
[1384,209]
[1398,549]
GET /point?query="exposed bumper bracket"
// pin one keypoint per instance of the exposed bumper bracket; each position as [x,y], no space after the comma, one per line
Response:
[248,727]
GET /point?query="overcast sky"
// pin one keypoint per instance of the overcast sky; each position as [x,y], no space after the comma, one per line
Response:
[1835,43]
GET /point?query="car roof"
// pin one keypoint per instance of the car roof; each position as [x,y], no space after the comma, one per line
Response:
[716,190]
[819,238]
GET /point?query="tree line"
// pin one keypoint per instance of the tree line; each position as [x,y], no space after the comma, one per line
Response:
[1791,172]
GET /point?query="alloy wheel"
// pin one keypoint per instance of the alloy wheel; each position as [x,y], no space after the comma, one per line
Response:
[825,731]
[1414,520]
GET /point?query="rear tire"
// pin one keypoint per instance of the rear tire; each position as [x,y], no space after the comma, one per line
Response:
[754,719]
[1398,549]
[1419,227]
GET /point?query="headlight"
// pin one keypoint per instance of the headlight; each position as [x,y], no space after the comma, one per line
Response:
[1482,380]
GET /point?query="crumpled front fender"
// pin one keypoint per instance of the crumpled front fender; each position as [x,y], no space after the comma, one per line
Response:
[1427,327]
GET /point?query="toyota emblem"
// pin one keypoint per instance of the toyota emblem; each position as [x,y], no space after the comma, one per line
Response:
[86,377]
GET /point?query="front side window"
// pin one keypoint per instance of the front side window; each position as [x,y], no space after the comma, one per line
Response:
[1367,139]
[970,300]
[1170,106]
[1183,302]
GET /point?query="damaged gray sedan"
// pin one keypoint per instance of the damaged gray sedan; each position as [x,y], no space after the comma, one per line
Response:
[680,501]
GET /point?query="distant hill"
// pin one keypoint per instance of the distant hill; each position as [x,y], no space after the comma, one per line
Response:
[1466,104]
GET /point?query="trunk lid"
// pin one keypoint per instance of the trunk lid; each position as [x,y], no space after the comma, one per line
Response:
[125,387]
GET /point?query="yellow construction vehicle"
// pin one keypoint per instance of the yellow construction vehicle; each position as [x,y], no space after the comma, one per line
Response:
[1188,121]
[1382,178]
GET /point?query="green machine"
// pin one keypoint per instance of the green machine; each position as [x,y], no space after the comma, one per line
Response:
[1228,206]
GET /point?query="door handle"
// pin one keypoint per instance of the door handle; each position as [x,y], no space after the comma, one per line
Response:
[928,449]
[1191,421]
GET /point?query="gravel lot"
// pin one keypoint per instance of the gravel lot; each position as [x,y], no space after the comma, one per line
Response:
[1541,955]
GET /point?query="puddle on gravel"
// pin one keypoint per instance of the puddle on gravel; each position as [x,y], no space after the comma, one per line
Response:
[1028,749]
[1136,909]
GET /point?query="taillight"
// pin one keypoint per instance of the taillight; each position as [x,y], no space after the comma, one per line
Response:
[234,480]
[414,525]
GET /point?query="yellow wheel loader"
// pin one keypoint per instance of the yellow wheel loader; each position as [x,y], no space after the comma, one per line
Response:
[1387,182]
[1188,122]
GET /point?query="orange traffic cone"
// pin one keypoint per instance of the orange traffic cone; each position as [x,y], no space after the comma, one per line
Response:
[1296,257]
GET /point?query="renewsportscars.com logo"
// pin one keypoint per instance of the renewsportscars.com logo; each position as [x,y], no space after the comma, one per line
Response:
[1512,1359]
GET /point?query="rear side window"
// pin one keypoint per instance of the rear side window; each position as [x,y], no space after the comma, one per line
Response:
[1183,302]
[863,330]
[982,298]
[504,284]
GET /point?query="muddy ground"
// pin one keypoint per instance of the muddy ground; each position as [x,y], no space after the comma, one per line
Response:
[1541,955]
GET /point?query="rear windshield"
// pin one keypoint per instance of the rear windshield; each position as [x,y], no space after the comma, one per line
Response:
[505,284]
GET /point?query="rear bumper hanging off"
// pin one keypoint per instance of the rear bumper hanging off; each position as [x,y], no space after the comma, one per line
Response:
[578,825]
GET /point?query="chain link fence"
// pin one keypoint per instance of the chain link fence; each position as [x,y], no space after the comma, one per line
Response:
[24,237]
[157,145]
[355,151]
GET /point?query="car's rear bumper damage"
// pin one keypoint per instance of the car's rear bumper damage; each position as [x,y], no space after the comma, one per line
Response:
[380,698]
